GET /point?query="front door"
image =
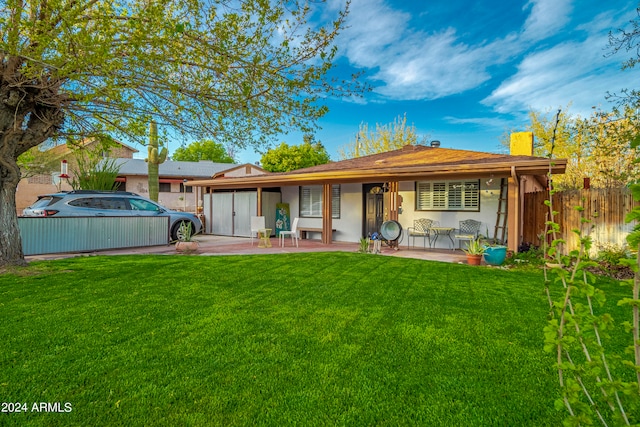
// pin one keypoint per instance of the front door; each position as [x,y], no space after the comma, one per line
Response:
[373,196]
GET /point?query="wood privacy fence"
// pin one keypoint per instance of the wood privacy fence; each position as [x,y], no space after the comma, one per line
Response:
[605,208]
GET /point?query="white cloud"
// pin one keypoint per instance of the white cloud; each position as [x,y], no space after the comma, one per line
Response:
[546,18]
[406,63]
[575,73]
[432,67]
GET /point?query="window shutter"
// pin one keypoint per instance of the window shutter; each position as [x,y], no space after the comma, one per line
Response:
[439,195]
[471,195]
[455,195]
[305,201]
[423,197]
[448,195]
[335,201]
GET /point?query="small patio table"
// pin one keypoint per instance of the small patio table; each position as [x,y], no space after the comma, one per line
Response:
[263,238]
[441,231]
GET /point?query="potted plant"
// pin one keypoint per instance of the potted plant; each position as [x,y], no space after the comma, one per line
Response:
[185,242]
[494,254]
[474,252]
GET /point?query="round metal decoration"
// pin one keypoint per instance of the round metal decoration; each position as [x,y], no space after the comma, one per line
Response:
[391,230]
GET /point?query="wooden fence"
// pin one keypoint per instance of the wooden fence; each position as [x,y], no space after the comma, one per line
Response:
[605,208]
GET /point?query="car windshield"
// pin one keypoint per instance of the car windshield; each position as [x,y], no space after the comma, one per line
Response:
[143,205]
[44,201]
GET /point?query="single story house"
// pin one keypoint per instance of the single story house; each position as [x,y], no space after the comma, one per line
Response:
[172,177]
[349,199]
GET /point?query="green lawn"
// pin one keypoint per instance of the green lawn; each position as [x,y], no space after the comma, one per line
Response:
[289,339]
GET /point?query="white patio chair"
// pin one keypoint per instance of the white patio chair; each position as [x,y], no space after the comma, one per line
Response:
[468,230]
[293,233]
[257,224]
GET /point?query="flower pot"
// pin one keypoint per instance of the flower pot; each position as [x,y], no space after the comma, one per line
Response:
[495,255]
[474,259]
[187,246]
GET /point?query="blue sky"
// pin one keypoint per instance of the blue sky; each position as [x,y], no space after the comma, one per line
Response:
[465,72]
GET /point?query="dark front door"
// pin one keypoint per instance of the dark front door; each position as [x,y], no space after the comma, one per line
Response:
[373,208]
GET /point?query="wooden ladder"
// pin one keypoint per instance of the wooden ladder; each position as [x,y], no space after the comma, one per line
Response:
[500,233]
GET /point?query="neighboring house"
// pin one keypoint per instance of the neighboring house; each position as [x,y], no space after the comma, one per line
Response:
[31,187]
[133,177]
[355,196]
[173,193]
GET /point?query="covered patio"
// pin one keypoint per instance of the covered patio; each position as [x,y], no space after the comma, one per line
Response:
[519,173]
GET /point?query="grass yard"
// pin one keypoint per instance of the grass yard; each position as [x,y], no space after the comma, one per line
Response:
[290,339]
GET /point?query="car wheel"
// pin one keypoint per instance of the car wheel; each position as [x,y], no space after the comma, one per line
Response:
[175,231]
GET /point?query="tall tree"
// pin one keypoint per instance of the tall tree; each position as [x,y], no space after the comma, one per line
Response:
[203,150]
[242,71]
[612,158]
[286,157]
[596,147]
[385,138]
[627,40]
[568,142]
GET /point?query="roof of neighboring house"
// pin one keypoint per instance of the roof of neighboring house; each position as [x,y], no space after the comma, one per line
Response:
[194,170]
[245,169]
[412,162]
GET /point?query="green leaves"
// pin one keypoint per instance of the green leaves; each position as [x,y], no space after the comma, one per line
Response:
[203,150]
[286,158]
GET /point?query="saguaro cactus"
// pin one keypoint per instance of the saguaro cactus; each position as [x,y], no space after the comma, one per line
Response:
[155,159]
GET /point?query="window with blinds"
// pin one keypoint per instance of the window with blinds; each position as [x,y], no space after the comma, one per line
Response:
[311,201]
[448,196]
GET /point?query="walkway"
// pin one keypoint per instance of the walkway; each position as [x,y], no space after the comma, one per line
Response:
[223,245]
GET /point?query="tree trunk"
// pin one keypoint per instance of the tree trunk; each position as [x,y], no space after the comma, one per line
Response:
[10,242]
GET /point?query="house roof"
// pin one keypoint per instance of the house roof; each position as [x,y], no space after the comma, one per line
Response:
[410,163]
[241,170]
[194,170]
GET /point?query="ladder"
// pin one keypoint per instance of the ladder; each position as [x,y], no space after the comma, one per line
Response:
[500,233]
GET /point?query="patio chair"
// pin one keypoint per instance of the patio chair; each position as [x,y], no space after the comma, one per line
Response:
[468,230]
[293,233]
[257,224]
[420,229]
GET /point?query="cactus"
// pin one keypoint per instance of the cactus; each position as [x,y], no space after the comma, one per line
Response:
[154,160]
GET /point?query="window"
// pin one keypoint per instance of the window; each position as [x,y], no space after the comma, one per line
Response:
[143,205]
[311,201]
[189,188]
[448,196]
[164,187]
[111,203]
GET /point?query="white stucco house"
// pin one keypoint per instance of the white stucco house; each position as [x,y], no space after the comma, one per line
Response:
[349,199]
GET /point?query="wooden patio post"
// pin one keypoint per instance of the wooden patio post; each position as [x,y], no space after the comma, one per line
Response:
[327,208]
[259,213]
[393,200]
[514,220]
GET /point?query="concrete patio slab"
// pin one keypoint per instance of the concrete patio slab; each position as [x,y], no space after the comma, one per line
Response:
[211,245]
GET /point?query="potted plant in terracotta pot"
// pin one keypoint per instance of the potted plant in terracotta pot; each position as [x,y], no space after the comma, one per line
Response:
[474,252]
[186,243]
